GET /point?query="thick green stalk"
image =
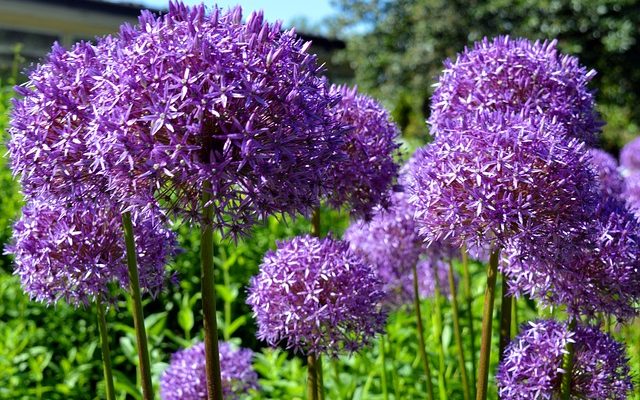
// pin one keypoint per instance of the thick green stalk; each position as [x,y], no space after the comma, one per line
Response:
[421,344]
[505,317]
[138,315]
[383,373]
[320,377]
[106,357]
[438,322]
[312,378]
[514,316]
[466,391]
[466,280]
[212,355]
[487,323]
[567,365]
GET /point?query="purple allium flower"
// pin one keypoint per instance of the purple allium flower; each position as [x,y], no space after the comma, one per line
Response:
[198,99]
[185,378]
[532,364]
[431,272]
[630,156]
[605,166]
[497,177]
[595,268]
[49,123]
[632,191]
[363,179]
[73,250]
[317,296]
[514,75]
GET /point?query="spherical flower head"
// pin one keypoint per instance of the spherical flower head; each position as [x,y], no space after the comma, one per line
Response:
[185,379]
[589,270]
[630,156]
[73,250]
[506,75]
[49,122]
[497,177]
[532,364]
[632,191]
[204,102]
[433,274]
[317,296]
[364,177]
[610,180]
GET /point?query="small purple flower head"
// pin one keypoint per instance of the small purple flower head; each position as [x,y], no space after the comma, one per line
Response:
[204,102]
[74,250]
[532,364]
[49,123]
[317,296]
[514,75]
[594,268]
[497,177]
[630,156]
[364,177]
[433,273]
[610,180]
[632,191]
[185,379]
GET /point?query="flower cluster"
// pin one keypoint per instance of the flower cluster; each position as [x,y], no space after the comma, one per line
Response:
[499,177]
[363,178]
[74,250]
[532,364]
[185,378]
[507,75]
[605,166]
[591,269]
[630,156]
[199,102]
[317,296]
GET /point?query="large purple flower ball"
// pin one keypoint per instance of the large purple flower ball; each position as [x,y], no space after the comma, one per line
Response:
[72,251]
[532,364]
[203,102]
[363,178]
[497,177]
[514,75]
[316,296]
[185,378]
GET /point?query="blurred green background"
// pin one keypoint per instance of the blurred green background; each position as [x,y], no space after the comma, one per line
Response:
[393,50]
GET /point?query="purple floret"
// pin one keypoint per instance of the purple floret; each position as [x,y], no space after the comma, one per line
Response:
[362,179]
[516,75]
[316,296]
[185,379]
[593,268]
[499,177]
[73,251]
[532,364]
[198,100]
[630,156]
[610,179]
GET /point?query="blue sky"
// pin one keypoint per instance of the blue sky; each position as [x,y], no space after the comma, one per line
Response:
[286,10]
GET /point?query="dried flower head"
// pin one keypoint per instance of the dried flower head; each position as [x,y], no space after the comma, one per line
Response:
[363,178]
[532,364]
[594,268]
[317,296]
[610,180]
[185,378]
[204,102]
[630,156]
[514,75]
[498,177]
[73,250]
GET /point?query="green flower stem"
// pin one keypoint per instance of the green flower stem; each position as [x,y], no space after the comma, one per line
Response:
[315,231]
[505,317]
[212,355]
[466,284]
[383,373]
[138,315]
[437,326]
[487,322]
[421,344]
[320,378]
[106,357]
[514,316]
[567,365]
[458,334]
[312,378]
